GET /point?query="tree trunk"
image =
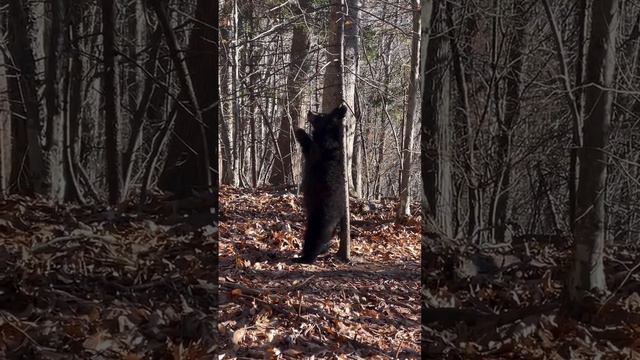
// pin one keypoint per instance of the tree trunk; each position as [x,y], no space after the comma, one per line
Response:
[588,268]
[336,91]
[5,125]
[226,103]
[412,93]
[111,108]
[299,66]
[191,166]
[576,139]
[235,101]
[332,85]
[138,119]
[467,135]
[24,104]
[500,199]
[57,73]
[74,98]
[436,134]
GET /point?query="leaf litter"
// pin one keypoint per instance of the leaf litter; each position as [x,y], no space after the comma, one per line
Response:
[94,283]
[504,301]
[273,308]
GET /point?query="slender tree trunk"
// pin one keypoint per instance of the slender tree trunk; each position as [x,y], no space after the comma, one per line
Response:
[226,102]
[57,73]
[74,98]
[576,139]
[330,97]
[111,108]
[466,130]
[336,91]
[412,93]
[588,269]
[235,117]
[500,199]
[138,119]
[299,66]
[5,125]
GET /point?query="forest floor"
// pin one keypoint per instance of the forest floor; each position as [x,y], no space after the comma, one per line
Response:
[271,307]
[92,283]
[503,301]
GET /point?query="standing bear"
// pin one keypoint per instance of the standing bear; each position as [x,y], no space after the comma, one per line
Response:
[322,180]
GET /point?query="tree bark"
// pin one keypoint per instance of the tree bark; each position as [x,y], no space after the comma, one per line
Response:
[56,80]
[436,134]
[588,269]
[412,93]
[299,66]
[24,104]
[111,108]
[330,97]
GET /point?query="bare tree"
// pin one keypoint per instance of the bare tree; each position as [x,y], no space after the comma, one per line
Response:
[296,79]
[500,199]
[412,94]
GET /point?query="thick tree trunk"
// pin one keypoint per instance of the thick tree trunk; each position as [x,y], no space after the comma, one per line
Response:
[24,104]
[588,269]
[436,132]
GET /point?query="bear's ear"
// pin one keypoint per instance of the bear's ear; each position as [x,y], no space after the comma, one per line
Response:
[339,112]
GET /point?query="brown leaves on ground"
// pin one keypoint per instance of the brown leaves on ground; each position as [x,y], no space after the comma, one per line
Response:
[273,308]
[87,283]
[503,301]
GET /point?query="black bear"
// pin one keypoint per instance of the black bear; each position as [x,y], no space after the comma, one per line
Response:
[322,180]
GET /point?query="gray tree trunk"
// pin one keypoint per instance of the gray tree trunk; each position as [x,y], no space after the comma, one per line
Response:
[436,132]
[332,86]
[412,93]
[299,65]
[56,78]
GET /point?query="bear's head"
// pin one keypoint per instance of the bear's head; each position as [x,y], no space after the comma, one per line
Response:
[328,128]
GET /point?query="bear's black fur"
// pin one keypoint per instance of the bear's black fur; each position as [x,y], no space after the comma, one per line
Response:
[322,180]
